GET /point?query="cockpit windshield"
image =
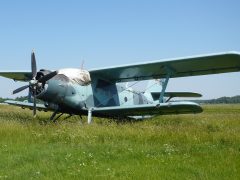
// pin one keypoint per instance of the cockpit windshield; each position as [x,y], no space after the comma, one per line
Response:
[79,76]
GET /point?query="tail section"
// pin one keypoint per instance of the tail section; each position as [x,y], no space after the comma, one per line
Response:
[153,91]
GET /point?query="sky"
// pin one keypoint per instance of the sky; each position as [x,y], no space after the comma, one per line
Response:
[107,33]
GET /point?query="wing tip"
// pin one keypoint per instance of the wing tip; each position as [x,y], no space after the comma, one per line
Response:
[234,53]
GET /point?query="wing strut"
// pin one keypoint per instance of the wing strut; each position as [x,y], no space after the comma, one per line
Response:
[170,71]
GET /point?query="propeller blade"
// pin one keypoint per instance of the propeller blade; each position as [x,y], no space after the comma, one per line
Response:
[20,89]
[34,102]
[47,77]
[33,65]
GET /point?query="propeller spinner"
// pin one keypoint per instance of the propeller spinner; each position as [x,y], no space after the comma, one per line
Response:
[35,84]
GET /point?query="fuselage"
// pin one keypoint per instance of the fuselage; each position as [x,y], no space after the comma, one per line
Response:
[72,91]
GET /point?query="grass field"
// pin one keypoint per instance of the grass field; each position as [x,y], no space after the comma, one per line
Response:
[201,146]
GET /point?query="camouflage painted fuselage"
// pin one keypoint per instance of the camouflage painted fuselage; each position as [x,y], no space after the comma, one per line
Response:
[60,93]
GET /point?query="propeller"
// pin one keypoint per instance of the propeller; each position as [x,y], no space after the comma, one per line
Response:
[34,84]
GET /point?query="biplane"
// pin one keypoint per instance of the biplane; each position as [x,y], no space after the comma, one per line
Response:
[98,92]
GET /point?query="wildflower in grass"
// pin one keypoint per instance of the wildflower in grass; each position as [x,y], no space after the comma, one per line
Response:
[68,156]
[90,155]
[169,149]
[82,164]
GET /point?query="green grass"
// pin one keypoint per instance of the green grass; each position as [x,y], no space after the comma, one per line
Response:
[201,146]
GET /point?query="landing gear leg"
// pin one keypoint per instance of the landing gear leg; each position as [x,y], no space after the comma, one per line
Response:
[90,115]
[57,117]
[53,115]
[81,122]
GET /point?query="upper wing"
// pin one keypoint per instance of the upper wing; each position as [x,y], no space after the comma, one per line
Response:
[189,66]
[17,75]
[181,67]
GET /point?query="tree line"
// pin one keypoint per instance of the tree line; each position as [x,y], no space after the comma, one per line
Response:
[221,100]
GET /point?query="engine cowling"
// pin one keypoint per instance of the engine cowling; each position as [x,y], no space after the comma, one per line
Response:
[40,88]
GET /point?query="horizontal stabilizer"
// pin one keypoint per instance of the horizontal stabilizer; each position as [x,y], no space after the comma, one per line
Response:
[156,95]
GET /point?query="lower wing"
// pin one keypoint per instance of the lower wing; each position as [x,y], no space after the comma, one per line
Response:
[129,111]
[149,109]
[39,107]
